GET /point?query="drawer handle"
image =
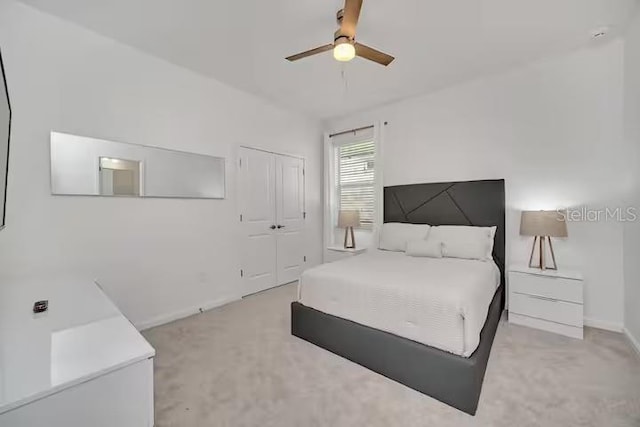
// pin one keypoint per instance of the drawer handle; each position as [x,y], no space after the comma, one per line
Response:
[546,276]
[543,298]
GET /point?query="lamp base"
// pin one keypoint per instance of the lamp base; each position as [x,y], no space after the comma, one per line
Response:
[542,264]
[347,244]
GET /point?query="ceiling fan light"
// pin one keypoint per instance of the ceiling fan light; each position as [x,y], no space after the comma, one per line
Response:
[344,51]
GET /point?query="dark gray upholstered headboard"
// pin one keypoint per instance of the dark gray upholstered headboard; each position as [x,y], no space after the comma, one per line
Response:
[479,203]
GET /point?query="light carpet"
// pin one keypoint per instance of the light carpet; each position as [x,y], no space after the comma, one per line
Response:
[238,365]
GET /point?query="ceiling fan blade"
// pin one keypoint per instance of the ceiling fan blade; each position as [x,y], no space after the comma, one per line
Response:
[373,55]
[310,52]
[350,17]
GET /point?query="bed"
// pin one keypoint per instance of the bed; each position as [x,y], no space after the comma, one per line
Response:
[438,302]
[374,309]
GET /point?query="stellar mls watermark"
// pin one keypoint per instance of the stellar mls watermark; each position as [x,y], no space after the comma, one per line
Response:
[588,214]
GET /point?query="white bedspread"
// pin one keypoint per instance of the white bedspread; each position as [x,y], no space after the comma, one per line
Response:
[442,302]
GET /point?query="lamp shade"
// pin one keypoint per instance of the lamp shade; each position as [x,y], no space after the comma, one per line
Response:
[543,223]
[348,219]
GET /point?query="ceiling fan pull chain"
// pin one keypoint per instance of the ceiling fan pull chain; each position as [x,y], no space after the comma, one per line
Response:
[345,82]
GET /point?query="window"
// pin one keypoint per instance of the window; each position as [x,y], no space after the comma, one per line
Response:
[355,179]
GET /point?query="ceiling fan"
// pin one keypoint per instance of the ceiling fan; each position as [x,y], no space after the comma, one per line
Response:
[344,45]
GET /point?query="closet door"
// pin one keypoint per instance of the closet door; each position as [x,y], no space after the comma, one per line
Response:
[256,182]
[289,217]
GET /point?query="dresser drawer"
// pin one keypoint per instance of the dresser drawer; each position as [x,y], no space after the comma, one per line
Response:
[550,287]
[546,308]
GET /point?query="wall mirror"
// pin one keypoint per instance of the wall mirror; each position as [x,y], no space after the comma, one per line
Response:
[96,167]
[5,133]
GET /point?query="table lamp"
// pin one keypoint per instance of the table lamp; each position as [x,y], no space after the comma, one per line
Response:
[348,220]
[543,225]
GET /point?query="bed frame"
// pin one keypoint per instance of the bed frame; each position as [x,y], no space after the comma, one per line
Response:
[452,379]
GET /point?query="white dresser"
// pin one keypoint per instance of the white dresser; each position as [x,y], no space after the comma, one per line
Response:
[81,363]
[550,300]
[336,253]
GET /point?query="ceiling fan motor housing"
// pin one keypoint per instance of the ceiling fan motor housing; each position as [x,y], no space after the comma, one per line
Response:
[338,35]
[339,38]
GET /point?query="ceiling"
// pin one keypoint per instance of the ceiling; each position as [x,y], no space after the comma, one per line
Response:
[436,42]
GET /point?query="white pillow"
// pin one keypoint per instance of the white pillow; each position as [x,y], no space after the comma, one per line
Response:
[492,239]
[395,235]
[461,241]
[430,248]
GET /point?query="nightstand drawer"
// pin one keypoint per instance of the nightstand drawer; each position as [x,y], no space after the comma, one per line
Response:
[551,287]
[336,253]
[556,328]
[546,308]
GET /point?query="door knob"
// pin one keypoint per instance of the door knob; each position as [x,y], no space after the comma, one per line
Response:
[273,227]
[280,226]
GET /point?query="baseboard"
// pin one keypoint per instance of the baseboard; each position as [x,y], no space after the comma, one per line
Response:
[634,342]
[603,324]
[181,314]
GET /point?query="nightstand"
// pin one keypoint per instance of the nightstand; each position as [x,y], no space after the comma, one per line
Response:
[336,253]
[547,299]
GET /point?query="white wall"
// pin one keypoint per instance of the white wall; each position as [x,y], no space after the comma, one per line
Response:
[632,134]
[155,258]
[552,129]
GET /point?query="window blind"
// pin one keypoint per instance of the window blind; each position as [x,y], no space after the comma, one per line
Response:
[355,179]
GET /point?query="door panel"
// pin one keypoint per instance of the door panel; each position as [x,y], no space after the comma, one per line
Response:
[290,256]
[289,217]
[258,210]
[290,193]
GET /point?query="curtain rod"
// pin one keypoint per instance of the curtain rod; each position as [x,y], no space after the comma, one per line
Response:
[344,132]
